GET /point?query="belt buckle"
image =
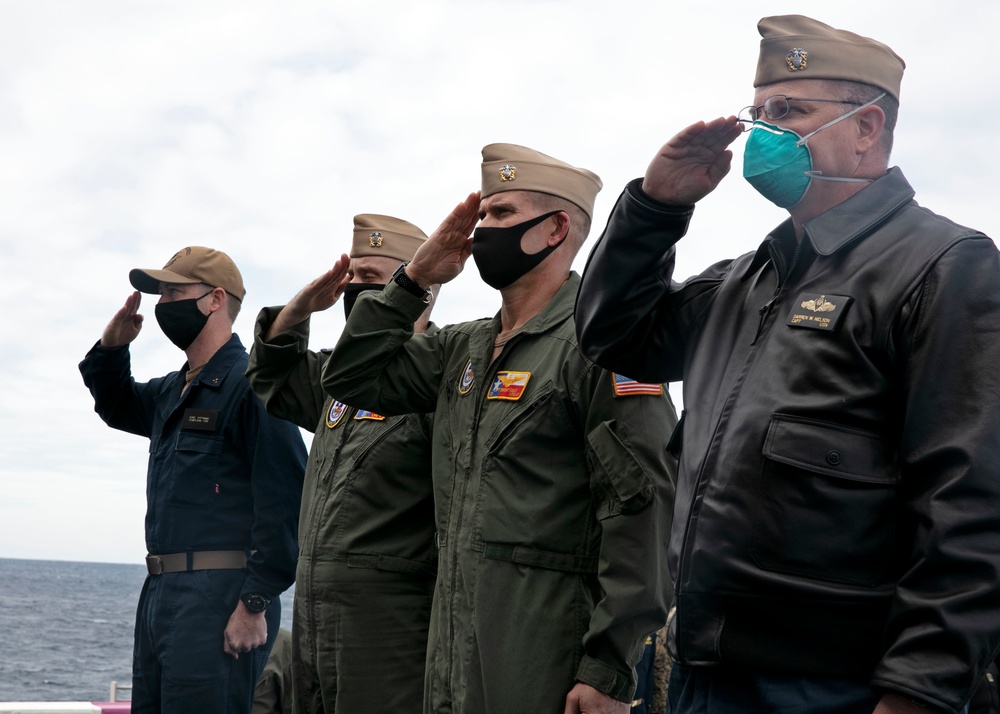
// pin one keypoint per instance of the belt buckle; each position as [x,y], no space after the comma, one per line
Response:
[154,565]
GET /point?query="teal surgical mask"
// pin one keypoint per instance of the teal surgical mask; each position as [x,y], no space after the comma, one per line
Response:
[777,162]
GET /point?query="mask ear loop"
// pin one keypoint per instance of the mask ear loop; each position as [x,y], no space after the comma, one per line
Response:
[819,174]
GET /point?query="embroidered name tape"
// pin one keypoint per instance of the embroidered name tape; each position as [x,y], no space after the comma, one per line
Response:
[200,419]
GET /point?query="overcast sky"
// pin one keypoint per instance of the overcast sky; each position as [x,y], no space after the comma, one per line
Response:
[132,128]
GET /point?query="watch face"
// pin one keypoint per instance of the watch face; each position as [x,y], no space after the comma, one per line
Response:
[255,603]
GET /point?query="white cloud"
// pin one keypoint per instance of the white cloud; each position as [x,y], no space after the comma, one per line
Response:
[132,128]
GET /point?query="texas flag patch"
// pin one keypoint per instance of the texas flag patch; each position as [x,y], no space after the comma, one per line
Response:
[625,387]
[508,385]
[365,414]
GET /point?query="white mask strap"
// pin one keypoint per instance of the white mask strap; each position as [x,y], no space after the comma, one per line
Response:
[830,123]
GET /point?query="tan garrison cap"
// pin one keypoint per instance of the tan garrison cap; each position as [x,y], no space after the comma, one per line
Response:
[509,167]
[798,47]
[385,236]
[193,264]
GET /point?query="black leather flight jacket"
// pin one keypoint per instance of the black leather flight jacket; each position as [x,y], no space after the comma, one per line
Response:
[838,503]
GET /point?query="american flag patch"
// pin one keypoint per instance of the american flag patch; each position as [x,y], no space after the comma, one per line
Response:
[625,387]
[365,414]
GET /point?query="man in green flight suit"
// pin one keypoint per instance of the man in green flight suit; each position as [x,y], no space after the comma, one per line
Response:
[553,488]
[365,574]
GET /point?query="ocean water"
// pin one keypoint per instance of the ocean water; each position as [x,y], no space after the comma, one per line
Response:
[66,628]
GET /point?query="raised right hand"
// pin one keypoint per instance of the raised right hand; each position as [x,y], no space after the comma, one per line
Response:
[125,325]
[689,167]
[443,255]
[318,295]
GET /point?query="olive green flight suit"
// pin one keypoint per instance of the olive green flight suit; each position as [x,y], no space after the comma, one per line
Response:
[366,566]
[553,498]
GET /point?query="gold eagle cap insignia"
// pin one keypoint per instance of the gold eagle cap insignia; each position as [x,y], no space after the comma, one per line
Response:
[507,172]
[375,239]
[820,304]
[797,59]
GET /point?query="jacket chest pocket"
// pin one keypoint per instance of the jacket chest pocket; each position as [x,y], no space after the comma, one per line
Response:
[194,475]
[826,503]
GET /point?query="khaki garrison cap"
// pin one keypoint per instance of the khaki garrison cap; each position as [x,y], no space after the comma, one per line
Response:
[385,236]
[509,167]
[190,265]
[798,47]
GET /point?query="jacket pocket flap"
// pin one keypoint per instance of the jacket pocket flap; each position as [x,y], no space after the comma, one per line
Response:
[830,449]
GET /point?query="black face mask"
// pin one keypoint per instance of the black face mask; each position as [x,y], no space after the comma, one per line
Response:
[498,252]
[351,292]
[181,320]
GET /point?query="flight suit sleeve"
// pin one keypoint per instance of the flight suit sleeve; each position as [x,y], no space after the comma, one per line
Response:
[633,480]
[285,374]
[379,363]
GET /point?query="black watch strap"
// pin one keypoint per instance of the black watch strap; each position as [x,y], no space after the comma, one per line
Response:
[407,283]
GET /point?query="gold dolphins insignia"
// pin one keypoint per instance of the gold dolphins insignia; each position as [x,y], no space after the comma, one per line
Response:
[820,304]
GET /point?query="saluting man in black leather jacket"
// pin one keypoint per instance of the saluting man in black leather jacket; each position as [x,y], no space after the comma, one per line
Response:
[836,535]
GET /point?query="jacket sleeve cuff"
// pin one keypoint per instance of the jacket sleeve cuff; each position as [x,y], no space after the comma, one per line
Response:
[606,679]
[635,192]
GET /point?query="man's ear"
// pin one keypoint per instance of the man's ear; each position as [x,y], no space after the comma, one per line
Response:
[870,122]
[561,231]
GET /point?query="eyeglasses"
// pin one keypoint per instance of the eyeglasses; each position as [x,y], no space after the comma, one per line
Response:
[777,107]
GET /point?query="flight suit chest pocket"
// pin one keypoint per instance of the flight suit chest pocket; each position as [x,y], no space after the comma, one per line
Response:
[826,502]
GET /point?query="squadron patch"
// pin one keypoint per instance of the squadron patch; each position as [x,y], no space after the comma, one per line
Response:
[508,385]
[365,414]
[467,380]
[335,414]
[818,312]
[626,387]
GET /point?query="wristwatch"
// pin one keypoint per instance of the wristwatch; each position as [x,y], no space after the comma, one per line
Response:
[409,284]
[255,602]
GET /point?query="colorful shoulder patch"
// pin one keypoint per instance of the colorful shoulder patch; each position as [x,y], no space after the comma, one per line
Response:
[335,414]
[508,385]
[362,414]
[625,387]
[467,380]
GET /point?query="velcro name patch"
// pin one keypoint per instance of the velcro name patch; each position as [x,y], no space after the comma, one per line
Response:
[508,385]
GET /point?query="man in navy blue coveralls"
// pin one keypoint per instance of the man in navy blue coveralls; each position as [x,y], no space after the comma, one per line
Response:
[223,486]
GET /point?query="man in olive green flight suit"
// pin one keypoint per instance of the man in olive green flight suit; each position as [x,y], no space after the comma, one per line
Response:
[366,566]
[553,488]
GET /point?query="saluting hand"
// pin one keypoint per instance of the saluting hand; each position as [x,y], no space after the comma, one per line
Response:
[689,167]
[443,255]
[125,325]
[318,295]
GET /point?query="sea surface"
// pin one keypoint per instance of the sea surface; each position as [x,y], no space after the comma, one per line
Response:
[66,628]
